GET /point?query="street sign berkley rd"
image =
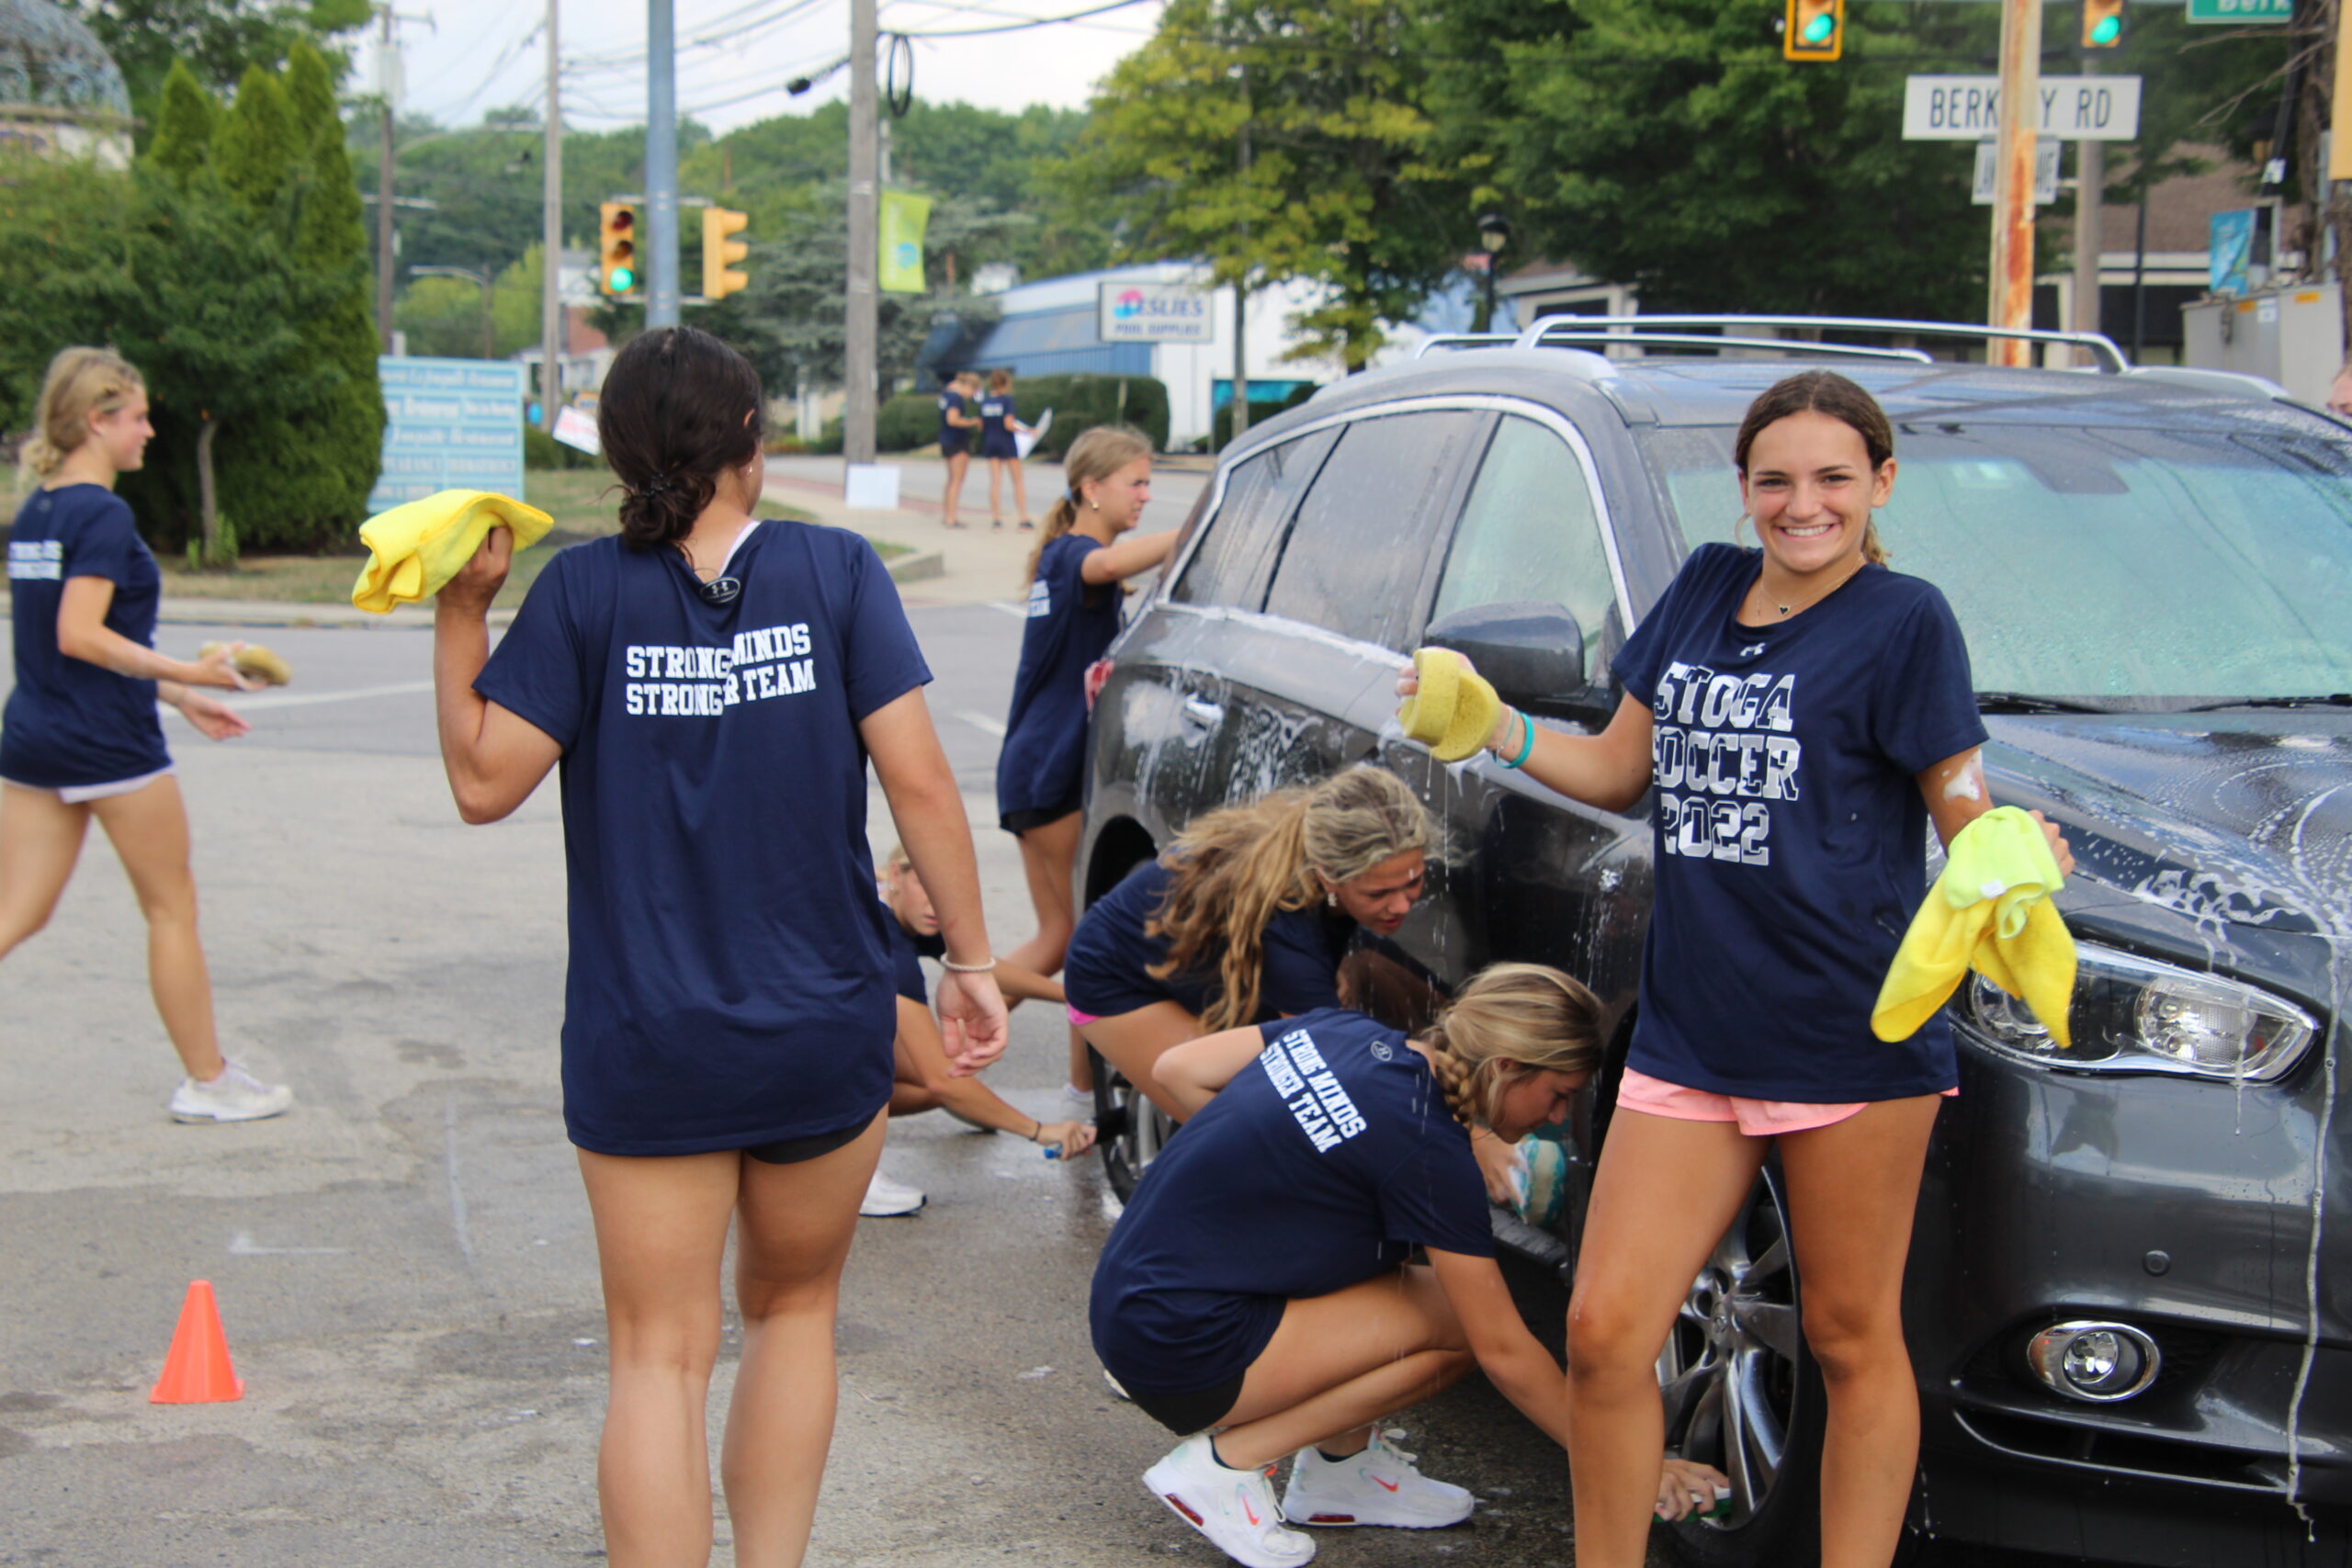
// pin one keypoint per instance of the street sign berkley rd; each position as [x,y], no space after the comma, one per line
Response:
[1968,109]
[2257,11]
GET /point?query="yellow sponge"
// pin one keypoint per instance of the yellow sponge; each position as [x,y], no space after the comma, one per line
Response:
[1455,709]
[254,662]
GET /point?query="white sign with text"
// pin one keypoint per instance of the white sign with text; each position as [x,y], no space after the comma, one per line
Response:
[1968,109]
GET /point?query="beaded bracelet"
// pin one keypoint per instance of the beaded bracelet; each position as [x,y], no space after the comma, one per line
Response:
[955,969]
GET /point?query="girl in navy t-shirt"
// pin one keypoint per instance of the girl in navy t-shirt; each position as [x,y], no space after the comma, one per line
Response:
[1255,1297]
[956,423]
[1245,918]
[1089,548]
[81,739]
[712,686]
[1002,451]
[1802,714]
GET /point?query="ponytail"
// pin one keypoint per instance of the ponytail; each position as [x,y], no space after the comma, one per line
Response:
[1511,1020]
[80,382]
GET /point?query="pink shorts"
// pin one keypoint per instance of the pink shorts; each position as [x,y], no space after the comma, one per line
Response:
[1757,1118]
[1079,1019]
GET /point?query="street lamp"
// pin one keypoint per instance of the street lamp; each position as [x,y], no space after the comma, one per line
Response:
[1494,234]
[481,280]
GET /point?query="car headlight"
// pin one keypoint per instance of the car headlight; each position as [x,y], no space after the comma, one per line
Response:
[2134,1015]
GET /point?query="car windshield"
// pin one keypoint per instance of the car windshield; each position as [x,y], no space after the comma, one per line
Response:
[2108,566]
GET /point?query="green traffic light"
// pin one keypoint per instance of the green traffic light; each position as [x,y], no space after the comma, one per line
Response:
[1816,31]
[2106,31]
[620,280]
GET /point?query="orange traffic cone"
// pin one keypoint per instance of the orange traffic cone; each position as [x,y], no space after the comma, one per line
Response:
[196,1369]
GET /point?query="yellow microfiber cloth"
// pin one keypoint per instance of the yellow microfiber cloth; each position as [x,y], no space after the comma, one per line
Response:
[254,662]
[1455,709]
[414,550]
[1989,910]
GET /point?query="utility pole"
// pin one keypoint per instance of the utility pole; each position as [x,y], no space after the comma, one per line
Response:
[862,327]
[661,166]
[2090,227]
[2011,274]
[552,333]
[1241,282]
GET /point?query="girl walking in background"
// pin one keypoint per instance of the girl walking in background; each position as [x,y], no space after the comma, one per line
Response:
[713,684]
[82,738]
[998,426]
[956,422]
[1087,549]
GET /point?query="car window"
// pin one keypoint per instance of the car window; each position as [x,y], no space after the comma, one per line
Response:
[1530,531]
[1352,561]
[2134,565]
[1236,543]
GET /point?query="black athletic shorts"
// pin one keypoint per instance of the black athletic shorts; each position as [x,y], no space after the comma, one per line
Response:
[1185,1414]
[1018,822]
[792,1151]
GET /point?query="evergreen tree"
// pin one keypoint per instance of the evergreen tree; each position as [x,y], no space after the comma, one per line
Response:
[253,152]
[184,127]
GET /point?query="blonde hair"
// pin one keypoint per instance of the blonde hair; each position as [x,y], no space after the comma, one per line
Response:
[998,381]
[898,857]
[1096,455]
[1527,1016]
[1234,870]
[80,382]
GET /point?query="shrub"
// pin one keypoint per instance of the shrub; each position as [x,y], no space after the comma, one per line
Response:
[541,450]
[1081,403]
[1261,410]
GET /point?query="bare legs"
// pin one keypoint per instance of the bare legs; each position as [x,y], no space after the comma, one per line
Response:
[1664,1193]
[998,468]
[955,488]
[40,839]
[1048,859]
[660,1234]
[1339,1362]
[1134,1043]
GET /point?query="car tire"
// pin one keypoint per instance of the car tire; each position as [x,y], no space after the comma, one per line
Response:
[1130,1130]
[1742,1393]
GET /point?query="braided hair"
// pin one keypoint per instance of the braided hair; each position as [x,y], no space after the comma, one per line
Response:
[1512,1019]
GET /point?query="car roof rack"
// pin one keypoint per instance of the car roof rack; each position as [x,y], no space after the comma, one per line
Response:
[1637,330]
[1461,340]
[1588,334]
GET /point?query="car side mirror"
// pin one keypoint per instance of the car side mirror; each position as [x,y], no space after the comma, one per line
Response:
[1532,653]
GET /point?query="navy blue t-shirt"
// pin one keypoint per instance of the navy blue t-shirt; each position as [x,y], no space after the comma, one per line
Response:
[1072,624]
[70,722]
[907,953]
[996,426]
[1320,1166]
[730,976]
[1792,839]
[1106,971]
[950,437]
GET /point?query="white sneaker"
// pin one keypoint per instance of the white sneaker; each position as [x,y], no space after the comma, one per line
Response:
[1081,1098]
[235,1096]
[1235,1509]
[885,1198]
[1378,1487]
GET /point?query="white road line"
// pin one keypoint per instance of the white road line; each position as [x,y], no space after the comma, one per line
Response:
[245,704]
[1018,612]
[456,1194]
[981,721]
[243,1245]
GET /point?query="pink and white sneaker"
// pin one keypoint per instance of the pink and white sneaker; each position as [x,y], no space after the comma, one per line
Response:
[1235,1509]
[1378,1487]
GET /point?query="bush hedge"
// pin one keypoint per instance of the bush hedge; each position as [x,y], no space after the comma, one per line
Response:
[910,421]
[1261,410]
[541,450]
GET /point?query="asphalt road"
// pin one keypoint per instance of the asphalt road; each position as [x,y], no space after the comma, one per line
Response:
[404,1263]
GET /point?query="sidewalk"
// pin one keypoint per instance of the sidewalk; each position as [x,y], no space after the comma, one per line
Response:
[971,565]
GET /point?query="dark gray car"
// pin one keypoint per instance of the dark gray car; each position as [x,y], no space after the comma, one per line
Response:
[2130,1298]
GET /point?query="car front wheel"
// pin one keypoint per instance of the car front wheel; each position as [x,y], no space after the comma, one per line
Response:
[1130,1130]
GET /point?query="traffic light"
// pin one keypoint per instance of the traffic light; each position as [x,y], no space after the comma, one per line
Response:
[617,249]
[720,253]
[1815,30]
[2102,23]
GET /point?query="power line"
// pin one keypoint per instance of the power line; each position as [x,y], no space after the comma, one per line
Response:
[1025,27]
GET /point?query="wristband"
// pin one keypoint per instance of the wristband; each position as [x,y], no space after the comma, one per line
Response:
[1526,749]
[955,969]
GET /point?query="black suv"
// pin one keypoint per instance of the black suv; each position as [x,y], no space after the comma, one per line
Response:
[2129,1297]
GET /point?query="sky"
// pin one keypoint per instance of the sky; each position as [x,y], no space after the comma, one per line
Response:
[734,56]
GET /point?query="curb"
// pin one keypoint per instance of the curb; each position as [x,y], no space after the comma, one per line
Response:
[921,567]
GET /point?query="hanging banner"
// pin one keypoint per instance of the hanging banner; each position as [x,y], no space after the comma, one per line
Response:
[904,218]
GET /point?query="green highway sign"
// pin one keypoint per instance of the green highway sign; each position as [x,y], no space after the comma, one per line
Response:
[2242,11]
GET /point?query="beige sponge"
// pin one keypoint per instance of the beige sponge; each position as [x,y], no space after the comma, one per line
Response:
[254,662]
[1455,709]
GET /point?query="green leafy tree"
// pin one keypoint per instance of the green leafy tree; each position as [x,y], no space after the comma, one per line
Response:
[66,236]
[183,141]
[1340,187]
[254,149]
[1666,143]
[214,40]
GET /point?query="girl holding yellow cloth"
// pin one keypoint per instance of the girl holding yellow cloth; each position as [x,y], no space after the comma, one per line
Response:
[1801,714]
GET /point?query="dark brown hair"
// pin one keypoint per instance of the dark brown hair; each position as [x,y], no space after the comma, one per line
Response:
[1826,392]
[679,408]
[998,381]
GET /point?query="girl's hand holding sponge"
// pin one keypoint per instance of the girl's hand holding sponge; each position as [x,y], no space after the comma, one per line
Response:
[250,660]
[1450,707]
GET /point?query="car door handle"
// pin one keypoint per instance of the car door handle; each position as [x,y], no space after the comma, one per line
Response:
[1205,714]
